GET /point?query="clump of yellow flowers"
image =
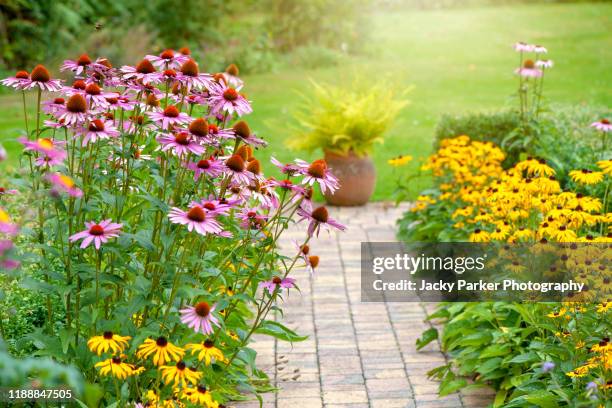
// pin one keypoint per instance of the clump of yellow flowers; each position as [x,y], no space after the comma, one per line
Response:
[526,203]
[522,204]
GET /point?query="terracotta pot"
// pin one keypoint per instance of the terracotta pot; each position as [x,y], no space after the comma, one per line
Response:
[357,177]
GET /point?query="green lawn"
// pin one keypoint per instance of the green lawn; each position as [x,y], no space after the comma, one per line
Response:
[457,61]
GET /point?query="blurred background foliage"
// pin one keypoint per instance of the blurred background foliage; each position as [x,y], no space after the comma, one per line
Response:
[256,35]
[253,34]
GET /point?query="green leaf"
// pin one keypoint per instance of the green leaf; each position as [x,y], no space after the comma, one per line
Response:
[275,329]
[427,337]
[448,387]
[500,398]
[543,399]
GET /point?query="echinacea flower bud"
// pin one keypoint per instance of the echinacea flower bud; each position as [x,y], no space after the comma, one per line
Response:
[235,163]
[152,100]
[76,104]
[185,51]
[190,68]
[40,74]
[254,166]
[242,129]
[305,249]
[246,152]
[83,60]
[232,69]
[145,67]
[199,127]
[313,261]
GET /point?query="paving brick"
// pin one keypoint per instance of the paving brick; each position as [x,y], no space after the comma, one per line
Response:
[357,355]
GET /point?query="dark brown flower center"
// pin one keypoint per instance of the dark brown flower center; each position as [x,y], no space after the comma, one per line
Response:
[185,51]
[181,365]
[210,206]
[254,166]
[605,121]
[317,168]
[161,342]
[235,163]
[93,89]
[305,249]
[59,101]
[108,335]
[204,164]
[313,260]
[79,84]
[76,104]
[276,280]
[170,73]
[201,389]
[196,214]
[40,74]
[182,138]
[199,127]
[230,94]
[84,60]
[190,68]
[116,360]
[242,129]
[145,67]
[96,125]
[202,309]
[232,69]
[112,101]
[208,343]
[167,54]
[171,112]
[22,75]
[320,214]
[529,64]
[96,230]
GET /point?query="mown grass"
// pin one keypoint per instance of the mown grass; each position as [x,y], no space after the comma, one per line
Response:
[456,60]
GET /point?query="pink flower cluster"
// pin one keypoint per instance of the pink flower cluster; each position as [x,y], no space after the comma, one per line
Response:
[189,125]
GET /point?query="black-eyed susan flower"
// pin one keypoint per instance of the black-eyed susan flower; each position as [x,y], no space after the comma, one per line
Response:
[586,176]
[161,349]
[115,367]
[207,351]
[400,160]
[480,235]
[604,307]
[108,341]
[560,313]
[179,374]
[199,395]
[605,166]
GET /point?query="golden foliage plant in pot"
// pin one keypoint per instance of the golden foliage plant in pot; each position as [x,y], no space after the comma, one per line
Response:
[345,123]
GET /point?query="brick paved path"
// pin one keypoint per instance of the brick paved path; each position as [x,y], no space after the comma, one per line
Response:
[357,355]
